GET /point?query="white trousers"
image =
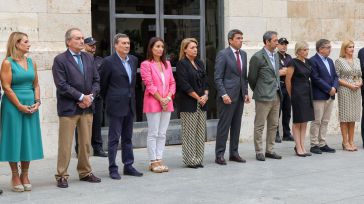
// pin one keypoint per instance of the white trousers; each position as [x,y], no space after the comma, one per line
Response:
[157,128]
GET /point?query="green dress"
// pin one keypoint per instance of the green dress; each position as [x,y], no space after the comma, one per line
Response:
[20,132]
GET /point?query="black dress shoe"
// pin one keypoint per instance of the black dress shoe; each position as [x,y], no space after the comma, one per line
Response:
[278,138]
[115,175]
[199,166]
[288,138]
[327,149]
[220,160]
[260,157]
[237,158]
[91,178]
[1,191]
[273,155]
[100,153]
[62,183]
[192,166]
[316,150]
[131,171]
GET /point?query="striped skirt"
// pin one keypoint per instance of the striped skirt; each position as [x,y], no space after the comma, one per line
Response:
[193,136]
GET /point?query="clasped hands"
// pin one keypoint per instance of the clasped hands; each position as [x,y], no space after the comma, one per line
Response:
[164,103]
[29,109]
[86,101]
[202,100]
[356,86]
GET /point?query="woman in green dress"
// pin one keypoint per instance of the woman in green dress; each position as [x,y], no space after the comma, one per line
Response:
[20,127]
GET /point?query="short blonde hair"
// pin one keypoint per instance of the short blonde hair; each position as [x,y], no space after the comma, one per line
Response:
[300,46]
[184,44]
[345,45]
[11,49]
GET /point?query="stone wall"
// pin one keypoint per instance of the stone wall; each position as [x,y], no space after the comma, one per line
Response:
[296,20]
[45,21]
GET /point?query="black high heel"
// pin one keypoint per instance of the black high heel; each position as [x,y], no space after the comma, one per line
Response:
[300,155]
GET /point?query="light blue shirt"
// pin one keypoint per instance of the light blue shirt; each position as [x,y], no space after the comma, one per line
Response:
[126,65]
[75,58]
[271,57]
[326,62]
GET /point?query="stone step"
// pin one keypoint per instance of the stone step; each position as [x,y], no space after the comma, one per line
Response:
[173,135]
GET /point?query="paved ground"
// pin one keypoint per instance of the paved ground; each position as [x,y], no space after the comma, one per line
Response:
[328,178]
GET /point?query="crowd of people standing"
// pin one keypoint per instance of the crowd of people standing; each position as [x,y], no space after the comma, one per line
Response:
[280,84]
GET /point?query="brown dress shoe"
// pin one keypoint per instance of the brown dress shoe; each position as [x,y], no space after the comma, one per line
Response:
[91,178]
[237,158]
[62,183]
[220,160]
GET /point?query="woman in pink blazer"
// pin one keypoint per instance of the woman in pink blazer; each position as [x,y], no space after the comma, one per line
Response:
[160,86]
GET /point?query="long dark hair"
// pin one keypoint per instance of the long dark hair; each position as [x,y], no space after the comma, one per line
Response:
[151,43]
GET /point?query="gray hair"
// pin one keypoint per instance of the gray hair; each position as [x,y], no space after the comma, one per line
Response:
[233,32]
[118,36]
[300,46]
[68,36]
[321,43]
[268,36]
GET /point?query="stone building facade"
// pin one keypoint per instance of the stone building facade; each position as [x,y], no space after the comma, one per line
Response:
[45,21]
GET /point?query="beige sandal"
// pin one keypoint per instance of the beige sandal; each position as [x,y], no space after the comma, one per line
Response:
[17,188]
[27,186]
[156,167]
[164,167]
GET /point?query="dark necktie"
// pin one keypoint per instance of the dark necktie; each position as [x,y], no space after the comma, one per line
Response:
[238,63]
[79,62]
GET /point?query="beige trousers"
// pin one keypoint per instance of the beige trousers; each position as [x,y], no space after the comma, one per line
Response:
[67,127]
[323,109]
[266,111]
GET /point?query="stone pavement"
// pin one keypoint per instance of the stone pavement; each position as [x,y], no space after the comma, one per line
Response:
[327,178]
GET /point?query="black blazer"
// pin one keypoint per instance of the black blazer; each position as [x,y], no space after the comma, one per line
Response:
[189,80]
[118,93]
[71,83]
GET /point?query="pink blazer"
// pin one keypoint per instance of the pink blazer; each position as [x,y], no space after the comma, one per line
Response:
[153,83]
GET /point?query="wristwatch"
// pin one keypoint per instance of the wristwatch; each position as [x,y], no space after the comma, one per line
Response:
[169,98]
[37,101]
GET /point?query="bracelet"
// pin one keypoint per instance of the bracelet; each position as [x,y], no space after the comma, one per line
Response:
[169,98]
[37,101]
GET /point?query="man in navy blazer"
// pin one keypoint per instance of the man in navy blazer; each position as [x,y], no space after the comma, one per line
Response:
[77,82]
[324,85]
[118,75]
[361,58]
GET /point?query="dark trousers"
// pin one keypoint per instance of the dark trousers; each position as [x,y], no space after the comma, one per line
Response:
[120,127]
[230,119]
[96,139]
[362,116]
[286,112]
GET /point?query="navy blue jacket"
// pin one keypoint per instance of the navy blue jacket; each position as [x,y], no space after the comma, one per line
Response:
[321,80]
[71,83]
[361,58]
[118,93]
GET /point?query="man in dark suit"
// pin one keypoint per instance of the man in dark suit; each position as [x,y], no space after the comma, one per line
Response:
[361,58]
[77,82]
[264,81]
[324,82]
[232,91]
[118,77]
[96,139]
